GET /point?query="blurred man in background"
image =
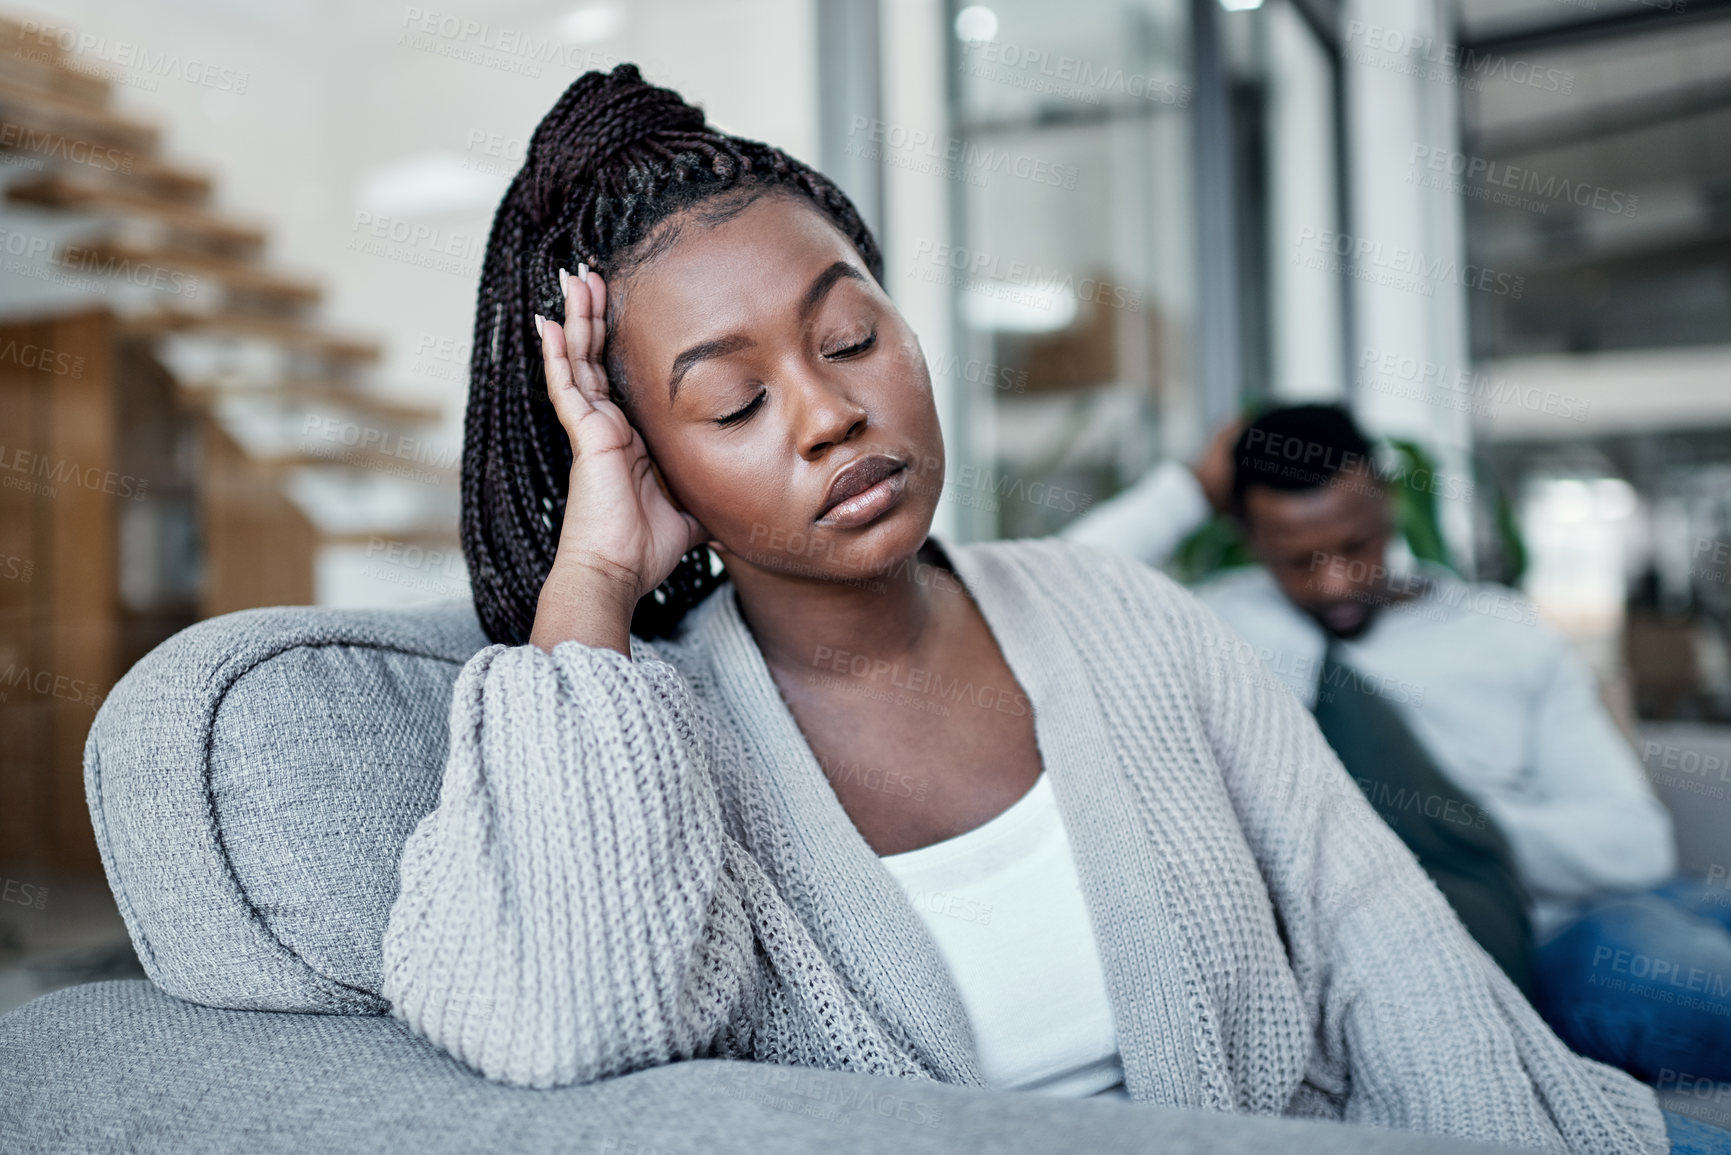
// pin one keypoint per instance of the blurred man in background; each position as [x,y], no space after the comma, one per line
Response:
[1469,724]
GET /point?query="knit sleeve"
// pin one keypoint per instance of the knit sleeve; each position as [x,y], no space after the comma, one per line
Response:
[1417,1029]
[567,911]
[1416,1025]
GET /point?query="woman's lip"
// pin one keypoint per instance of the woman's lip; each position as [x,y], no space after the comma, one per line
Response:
[867,503]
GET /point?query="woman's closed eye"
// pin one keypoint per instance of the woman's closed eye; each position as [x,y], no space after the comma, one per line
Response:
[854,348]
[742,413]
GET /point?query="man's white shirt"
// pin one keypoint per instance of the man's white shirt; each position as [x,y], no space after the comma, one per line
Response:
[1497,696]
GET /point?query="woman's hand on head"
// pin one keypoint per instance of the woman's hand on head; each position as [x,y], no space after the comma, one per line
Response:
[620,526]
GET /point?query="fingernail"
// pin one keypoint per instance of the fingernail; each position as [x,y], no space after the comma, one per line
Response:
[583,271]
[563,278]
[541,325]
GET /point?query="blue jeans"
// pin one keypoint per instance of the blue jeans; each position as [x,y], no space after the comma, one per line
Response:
[1643,982]
[1693,1137]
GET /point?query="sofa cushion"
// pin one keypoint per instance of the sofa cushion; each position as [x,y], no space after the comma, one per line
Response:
[121,1066]
[252,781]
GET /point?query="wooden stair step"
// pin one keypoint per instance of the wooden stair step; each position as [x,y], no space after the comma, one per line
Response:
[283,432]
[350,457]
[317,393]
[34,56]
[147,176]
[102,127]
[32,136]
[349,466]
[291,334]
[253,279]
[86,192]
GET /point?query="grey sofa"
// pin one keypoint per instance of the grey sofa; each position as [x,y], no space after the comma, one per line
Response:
[252,781]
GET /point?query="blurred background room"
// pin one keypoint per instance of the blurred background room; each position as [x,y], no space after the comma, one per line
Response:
[240,242]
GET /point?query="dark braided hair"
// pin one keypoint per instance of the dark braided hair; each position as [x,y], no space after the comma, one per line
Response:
[615,158]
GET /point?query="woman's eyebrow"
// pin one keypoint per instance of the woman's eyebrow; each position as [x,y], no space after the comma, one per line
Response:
[722,346]
[824,283]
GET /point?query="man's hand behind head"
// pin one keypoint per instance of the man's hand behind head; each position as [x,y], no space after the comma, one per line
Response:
[1213,469]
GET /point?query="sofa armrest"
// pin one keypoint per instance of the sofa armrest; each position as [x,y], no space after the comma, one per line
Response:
[122,1066]
[251,782]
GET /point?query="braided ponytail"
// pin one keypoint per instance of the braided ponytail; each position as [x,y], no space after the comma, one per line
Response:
[614,158]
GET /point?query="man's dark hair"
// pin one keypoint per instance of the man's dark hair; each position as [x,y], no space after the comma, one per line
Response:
[615,158]
[1297,448]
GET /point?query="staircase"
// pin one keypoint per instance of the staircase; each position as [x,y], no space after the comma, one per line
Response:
[181,433]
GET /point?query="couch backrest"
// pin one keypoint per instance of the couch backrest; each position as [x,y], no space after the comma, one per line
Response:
[252,781]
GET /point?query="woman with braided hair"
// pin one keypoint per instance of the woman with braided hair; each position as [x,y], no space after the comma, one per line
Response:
[757,767]
[613,159]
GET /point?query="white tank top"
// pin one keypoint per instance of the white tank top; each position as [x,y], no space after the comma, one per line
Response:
[1005,906]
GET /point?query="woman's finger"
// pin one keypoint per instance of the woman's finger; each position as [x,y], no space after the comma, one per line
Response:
[567,400]
[582,326]
[597,331]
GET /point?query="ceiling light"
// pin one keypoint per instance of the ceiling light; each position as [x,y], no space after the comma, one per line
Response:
[976,23]
[432,182]
[593,23]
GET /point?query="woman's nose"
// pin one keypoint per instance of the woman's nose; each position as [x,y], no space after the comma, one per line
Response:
[826,414]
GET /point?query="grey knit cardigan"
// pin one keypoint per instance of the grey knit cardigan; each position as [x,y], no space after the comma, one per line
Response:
[635,861]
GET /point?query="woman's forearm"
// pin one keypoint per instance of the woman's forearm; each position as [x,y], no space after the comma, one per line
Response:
[583,604]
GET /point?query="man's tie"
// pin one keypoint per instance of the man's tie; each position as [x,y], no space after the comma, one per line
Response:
[1453,838]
